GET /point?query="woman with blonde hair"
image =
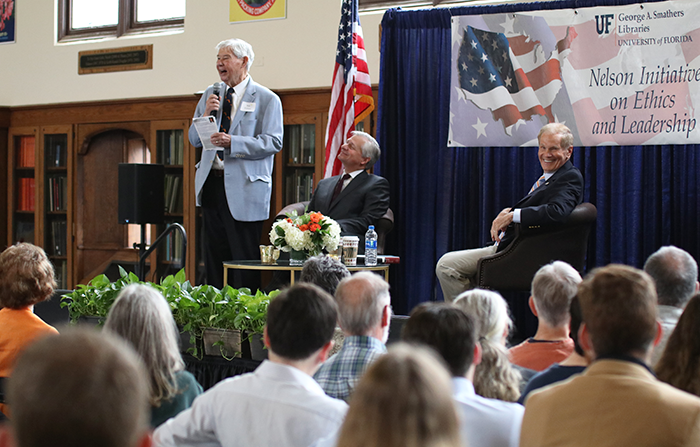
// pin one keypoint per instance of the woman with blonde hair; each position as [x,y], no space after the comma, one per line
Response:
[494,377]
[142,317]
[403,400]
[679,364]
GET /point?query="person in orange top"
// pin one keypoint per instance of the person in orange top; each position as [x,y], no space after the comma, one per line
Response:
[26,278]
[553,288]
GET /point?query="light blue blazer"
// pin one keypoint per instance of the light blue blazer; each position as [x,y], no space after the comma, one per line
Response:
[256,136]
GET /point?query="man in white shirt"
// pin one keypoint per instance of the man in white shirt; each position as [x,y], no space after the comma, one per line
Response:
[452,334]
[279,404]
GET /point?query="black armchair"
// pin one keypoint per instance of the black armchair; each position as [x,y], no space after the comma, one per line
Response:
[514,267]
[383,226]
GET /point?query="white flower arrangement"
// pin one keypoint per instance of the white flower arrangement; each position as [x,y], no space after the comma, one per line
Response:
[311,232]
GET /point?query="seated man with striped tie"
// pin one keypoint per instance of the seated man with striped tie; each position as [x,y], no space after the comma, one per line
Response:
[355,199]
[552,198]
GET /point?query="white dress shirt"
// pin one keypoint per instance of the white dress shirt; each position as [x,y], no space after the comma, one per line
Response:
[486,422]
[277,405]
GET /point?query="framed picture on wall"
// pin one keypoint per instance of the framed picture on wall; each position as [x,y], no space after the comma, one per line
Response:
[7,21]
[250,10]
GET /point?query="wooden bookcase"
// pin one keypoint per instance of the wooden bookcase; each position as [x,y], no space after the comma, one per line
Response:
[40,185]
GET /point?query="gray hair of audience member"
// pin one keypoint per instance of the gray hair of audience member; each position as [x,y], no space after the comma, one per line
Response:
[619,309]
[494,377]
[142,317]
[553,288]
[239,48]
[324,272]
[490,310]
[361,300]
[370,148]
[567,138]
[675,274]
[403,400]
[81,388]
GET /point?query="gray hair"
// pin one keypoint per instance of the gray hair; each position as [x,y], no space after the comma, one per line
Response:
[324,272]
[361,299]
[490,311]
[240,49]
[675,274]
[566,137]
[370,148]
[553,288]
[142,317]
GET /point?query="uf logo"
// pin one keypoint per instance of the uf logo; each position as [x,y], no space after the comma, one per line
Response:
[603,22]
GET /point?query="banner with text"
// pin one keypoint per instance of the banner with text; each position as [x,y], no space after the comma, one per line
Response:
[618,75]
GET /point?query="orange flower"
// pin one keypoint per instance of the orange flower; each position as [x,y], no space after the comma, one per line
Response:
[304,227]
[314,227]
[315,217]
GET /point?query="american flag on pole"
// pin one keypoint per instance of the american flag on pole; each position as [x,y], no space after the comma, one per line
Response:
[351,95]
[507,76]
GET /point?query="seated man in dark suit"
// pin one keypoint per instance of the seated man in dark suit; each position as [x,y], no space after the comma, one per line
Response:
[354,199]
[550,201]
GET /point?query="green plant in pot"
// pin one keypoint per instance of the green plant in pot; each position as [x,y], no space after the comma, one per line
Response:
[251,316]
[95,298]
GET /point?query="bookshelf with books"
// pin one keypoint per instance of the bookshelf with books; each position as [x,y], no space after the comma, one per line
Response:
[172,149]
[302,155]
[22,185]
[55,217]
[39,191]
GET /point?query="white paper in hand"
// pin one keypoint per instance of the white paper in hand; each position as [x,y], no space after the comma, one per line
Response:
[206,127]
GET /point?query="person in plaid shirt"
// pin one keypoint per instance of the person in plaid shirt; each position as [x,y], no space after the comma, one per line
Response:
[364,306]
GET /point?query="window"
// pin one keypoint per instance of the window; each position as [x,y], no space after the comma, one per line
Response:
[89,19]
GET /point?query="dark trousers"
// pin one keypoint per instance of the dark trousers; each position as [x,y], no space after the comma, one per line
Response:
[227,239]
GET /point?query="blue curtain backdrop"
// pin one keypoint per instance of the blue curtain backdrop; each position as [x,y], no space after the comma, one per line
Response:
[444,198]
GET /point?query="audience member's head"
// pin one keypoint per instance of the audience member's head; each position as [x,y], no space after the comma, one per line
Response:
[675,275]
[364,305]
[324,272]
[300,322]
[494,377]
[142,317]
[553,287]
[403,400]
[448,330]
[618,304]
[81,388]
[679,364]
[26,276]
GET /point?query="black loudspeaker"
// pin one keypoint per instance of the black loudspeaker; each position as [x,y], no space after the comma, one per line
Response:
[141,195]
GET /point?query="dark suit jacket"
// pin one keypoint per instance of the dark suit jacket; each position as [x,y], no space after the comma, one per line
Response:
[361,204]
[549,204]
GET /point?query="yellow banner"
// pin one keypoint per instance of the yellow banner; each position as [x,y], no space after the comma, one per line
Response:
[248,10]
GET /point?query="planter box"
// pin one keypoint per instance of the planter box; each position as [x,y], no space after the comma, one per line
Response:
[228,342]
[258,351]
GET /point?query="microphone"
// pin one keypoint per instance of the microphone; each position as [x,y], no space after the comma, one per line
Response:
[215,92]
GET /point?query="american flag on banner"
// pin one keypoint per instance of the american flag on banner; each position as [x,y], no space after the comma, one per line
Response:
[508,76]
[351,95]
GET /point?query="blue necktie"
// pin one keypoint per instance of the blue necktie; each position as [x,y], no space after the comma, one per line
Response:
[537,184]
[226,114]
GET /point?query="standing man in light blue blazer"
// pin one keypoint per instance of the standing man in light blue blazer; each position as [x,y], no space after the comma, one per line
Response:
[233,185]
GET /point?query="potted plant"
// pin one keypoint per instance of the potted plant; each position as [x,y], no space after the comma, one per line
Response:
[251,317]
[199,311]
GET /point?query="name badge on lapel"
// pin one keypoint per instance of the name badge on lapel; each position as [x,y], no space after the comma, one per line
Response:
[248,106]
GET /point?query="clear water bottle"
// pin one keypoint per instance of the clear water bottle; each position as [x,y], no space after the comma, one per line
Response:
[371,247]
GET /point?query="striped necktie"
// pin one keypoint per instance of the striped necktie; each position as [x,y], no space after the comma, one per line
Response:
[537,184]
[226,112]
